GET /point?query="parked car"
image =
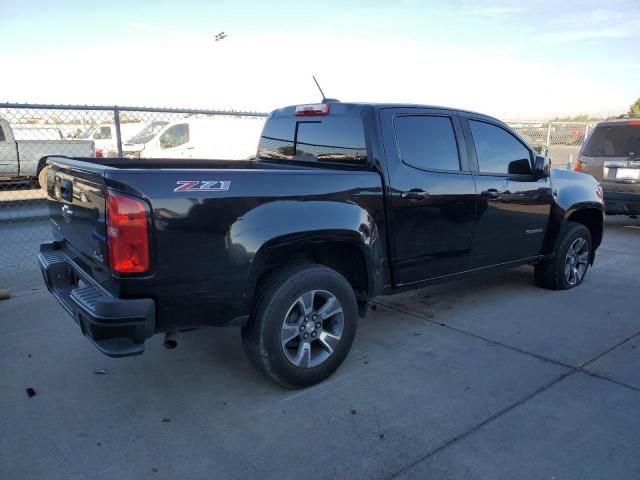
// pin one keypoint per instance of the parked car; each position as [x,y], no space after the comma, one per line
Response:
[345,202]
[105,138]
[611,154]
[24,159]
[212,137]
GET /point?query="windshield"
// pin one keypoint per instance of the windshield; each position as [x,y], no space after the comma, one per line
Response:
[614,141]
[87,133]
[148,132]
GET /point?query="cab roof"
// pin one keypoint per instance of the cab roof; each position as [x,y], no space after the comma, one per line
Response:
[354,107]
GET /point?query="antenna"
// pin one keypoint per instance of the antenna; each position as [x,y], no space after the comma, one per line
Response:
[319,88]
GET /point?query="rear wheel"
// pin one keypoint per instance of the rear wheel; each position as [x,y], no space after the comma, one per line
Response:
[302,326]
[569,265]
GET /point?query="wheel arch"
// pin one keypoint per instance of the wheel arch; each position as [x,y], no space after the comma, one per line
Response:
[343,252]
[593,219]
[589,214]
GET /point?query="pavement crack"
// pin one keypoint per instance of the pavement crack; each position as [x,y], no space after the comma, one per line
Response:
[582,368]
[609,350]
[480,337]
[478,426]
[599,376]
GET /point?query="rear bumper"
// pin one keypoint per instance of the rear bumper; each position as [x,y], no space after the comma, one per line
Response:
[117,327]
[622,203]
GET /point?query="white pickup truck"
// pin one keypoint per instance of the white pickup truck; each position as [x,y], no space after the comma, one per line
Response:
[24,159]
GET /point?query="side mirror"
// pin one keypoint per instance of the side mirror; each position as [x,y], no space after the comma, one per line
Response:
[541,166]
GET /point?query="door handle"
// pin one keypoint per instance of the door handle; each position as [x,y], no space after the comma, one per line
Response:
[492,193]
[415,195]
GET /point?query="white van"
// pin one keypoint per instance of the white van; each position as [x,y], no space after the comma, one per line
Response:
[224,137]
[104,135]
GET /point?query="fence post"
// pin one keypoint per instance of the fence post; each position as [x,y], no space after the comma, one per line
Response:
[586,131]
[116,119]
[548,142]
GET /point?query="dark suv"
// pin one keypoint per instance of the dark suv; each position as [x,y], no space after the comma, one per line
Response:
[612,155]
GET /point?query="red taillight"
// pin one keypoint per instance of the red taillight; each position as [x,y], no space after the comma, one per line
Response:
[127,234]
[312,110]
[99,153]
[634,122]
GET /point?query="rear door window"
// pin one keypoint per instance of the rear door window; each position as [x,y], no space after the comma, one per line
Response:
[614,141]
[325,139]
[427,142]
[498,151]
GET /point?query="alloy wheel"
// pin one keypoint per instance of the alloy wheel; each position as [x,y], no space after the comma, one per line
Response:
[576,261]
[312,328]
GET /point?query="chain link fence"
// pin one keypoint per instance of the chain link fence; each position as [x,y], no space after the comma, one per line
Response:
[30,132]
[561,141]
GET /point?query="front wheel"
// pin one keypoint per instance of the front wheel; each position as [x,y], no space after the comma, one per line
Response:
[570,262]
[302,325]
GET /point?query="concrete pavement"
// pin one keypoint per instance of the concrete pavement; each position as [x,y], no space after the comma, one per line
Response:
[487,377]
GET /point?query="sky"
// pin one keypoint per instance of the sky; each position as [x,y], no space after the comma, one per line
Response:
[515,60]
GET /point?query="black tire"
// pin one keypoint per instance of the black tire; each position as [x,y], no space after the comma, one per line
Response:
[42,177]
[277,294]
[551,273]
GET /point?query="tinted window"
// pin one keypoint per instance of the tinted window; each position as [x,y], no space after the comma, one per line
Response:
[498,151]
[102,133]
[175,136]
[332,139]
[148,132]
[614,141]
[427,142]
[2,137]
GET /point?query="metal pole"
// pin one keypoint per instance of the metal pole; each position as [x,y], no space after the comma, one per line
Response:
[586,132]
[116,118]
[548,138]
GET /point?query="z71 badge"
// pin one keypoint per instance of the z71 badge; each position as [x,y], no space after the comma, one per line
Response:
[202,185]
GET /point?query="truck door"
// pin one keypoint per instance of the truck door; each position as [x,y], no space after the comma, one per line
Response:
[8,151]
[432,192]
[513,205]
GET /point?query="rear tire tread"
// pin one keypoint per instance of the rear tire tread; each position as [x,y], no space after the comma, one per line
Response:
[253,332]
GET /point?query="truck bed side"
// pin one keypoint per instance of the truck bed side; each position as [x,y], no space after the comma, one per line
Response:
[216,231]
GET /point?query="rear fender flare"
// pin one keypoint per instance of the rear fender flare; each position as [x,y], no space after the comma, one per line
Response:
[284,224]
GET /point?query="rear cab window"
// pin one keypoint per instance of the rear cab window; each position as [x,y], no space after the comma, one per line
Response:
[613,140]
[334,138]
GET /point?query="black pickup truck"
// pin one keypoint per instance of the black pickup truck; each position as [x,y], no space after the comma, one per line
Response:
[343,202]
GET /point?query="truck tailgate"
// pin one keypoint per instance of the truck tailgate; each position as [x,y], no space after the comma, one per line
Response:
[77,206]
